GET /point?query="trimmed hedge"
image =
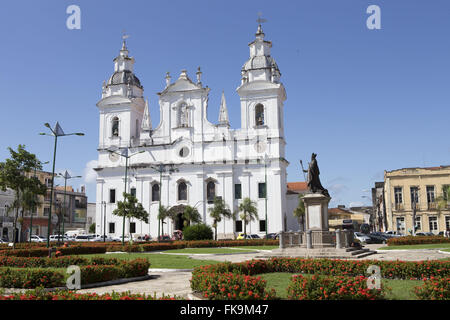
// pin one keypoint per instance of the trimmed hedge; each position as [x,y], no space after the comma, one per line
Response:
[39,294]
[335,267]
[198,232]
[60,262]
[411,240]
[96,272]
[332,288]
[43,252]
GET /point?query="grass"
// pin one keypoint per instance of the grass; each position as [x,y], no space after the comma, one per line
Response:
[204,250]
[418,246]
[159,261]
[400,289]
[258,247]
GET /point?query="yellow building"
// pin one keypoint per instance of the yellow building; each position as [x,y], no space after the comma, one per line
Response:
[424,186]
[339,216]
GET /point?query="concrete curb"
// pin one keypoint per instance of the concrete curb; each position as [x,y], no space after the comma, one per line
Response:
[444,252]
[191,296]
[169,270]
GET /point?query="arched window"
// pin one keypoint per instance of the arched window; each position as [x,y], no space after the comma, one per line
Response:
[210,191]
[155,192]
[259,114]
[182,191]
[115,127]
[137,129]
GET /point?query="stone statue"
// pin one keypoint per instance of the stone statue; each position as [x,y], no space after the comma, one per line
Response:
[314,184]
[184,115]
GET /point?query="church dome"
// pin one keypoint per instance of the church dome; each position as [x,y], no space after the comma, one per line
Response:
[124,77]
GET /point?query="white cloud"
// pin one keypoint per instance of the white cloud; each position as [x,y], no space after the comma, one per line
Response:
[356,204]
[90,176]
[337,188]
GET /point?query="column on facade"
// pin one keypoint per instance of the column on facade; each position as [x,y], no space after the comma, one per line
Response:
[99,208]
[200,192]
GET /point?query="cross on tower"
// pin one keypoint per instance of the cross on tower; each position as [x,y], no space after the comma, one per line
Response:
[260,20]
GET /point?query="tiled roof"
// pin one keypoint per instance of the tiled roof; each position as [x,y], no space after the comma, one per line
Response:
[297,186]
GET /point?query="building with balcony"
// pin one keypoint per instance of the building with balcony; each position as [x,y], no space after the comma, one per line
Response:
[424,189]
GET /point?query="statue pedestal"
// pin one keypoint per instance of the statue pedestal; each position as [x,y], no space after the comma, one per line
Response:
[316,214]
[316,211]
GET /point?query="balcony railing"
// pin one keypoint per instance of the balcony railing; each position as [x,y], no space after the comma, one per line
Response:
[432,206]
[417,206]
[399,207]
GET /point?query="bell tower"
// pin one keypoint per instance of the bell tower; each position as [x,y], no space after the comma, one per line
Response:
[261,92]
[122,105]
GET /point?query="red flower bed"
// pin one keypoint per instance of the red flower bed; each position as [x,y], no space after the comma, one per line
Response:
[31,278]
[40,294]
[411,240]
[230,286]
[43,252]
[332,288]
[434,289]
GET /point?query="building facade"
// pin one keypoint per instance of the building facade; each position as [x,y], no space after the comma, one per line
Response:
[424,188]
[188,160]
[6,218]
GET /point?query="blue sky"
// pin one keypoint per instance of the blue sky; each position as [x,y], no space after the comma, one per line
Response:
[364,100]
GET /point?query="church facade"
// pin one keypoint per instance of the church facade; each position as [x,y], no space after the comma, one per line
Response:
[188,160]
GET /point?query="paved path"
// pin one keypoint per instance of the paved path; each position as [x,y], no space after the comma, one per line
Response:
[177,282]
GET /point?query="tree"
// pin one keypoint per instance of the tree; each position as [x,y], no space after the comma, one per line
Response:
[217,212]
[191,215]
[163,213]
[444,200]
[13,175]
[131,208]
[299,212]
[29,202]
[249,212]
[92,228]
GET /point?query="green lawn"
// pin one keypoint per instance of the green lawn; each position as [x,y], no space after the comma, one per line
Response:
[207,250]
[401,289]
[163,261]
[418,246]
[258,247]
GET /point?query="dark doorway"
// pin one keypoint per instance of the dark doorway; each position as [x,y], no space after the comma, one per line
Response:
[179,222]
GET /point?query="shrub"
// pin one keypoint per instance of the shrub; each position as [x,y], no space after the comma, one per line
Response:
[434,289]
[30,278]
[43,252]
[198,232]
[332,288]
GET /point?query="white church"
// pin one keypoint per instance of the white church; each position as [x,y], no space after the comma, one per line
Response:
[188,160]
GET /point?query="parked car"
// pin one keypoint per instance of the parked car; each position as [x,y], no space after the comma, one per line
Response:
[82,237]
[102,238]
[363,238]
[55,237]
[425,234]
[272,236]
[2,241]
[164,237]
[255,236]
[376,239]
[36,238]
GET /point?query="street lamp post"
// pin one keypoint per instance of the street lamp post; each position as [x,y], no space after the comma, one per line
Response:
[126,156]
[31,217]
[57,132]
[66,177]
[162,168]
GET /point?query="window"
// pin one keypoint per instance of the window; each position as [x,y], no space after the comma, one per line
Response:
[182,191]
[155,192]
[401,225]
[445,189]
[262,225]
[132,227]
[259,115]
[447,222]
[430,197]
[115,127]
[238,191]
[261,190]
[48,195]
[433,223]
[398,196]
[184,152]
[112,227]
[46,211]
[48,182]
[136,135]
[414,197]
[238,226]
[418,223]
[133,192]
[112,195]
[210,191]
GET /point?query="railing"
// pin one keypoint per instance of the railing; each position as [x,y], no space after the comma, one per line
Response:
[292,239]
[432,205]
[399,207]
[317,238]
[417,205]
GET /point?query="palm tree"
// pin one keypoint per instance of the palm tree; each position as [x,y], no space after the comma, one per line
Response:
[191,214]
[299,212]
[162,215]
[249,212]
[217,212]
